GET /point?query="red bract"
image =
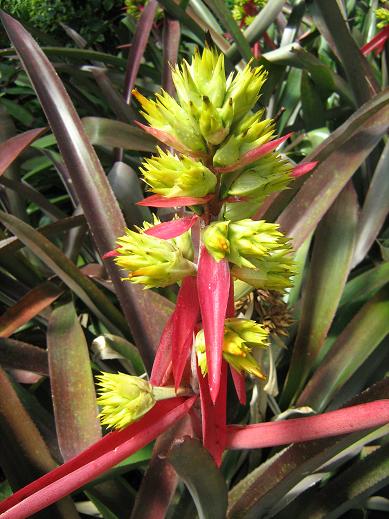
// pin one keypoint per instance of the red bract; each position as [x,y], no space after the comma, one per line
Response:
[303,169]
[111,254]
[377,43]
[333,423]
[213,415]
[163,357]
[95,460]
[186,315]
[213,286]
[253,155]
[180,201]
[172,229]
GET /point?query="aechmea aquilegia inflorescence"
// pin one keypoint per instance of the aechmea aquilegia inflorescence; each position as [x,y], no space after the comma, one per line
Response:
[223,166]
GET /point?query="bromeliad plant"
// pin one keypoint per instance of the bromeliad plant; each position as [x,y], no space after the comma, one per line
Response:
[217,163]
[223,165]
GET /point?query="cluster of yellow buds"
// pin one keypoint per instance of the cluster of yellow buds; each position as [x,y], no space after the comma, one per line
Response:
[240,337]
[153,262]
[223,166]
[257,249]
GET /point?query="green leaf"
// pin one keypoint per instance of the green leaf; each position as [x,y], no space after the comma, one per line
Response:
[115,134]
[349,490]
[71,381]
[339,157]
[353,346]
[330,264]
[204,481]
[375,208]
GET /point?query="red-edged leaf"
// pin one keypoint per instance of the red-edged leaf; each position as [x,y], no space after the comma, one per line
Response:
[253,155]
[180,201]
[169,140]
[168,230]
[303,169]
[11,148]
[163,357]
[213,415]
[333,423]
[104,454]
[111,254]
[186,315]
[377,43]
[213,286]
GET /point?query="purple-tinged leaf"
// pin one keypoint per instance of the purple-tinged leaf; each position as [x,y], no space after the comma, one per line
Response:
[304,168]
[65,269]
[21,355]
[138,47]
[160,474]
[214,414]
[115,134]
[186,316]
[13,147]
[353,346]
[329,268]
[89,180]
[172,229]
[295,430]
[181,201]
[213,286]
[107,452]
[346,491]
[24,455]
[199,473]
[170,44]
[71,381]
[340,155]
[374,210]
[253,155]
[28,307]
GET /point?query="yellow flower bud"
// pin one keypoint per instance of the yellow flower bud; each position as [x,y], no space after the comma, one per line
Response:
[173,176]
[271,272]
[244,90]
[215,238]
[250,239]
[123,399]
[152,261]
[240,337]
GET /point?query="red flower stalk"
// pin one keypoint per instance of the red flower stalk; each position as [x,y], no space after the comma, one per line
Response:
[333,423]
